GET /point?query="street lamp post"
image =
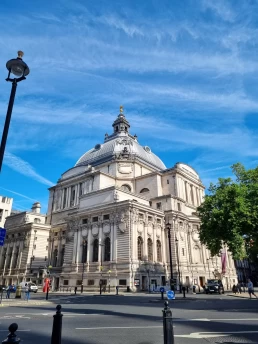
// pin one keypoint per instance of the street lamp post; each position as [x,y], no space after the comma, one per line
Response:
[20,70]
[168,226]
[178,268]
[83,262]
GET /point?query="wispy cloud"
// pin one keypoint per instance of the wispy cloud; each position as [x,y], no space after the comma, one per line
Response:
[19,194]
[24,168]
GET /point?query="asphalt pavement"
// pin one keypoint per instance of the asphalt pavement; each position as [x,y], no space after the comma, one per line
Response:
[94,319]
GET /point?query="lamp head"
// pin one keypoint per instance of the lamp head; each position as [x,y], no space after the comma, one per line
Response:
[17,66]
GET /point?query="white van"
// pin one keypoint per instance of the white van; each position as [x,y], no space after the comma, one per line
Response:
[32,286]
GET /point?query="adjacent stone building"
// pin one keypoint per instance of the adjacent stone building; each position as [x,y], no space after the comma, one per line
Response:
[24,255]
[108,217]
[5,209]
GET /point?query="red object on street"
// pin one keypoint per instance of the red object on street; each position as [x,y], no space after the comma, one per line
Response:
[46,285]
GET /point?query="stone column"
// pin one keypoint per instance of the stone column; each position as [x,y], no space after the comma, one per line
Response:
[145,240]
[154,244]
[115,241]
[75,247]
[164,241]
[89,251]
[101,248]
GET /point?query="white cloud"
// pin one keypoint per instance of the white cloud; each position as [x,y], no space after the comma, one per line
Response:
[23,167]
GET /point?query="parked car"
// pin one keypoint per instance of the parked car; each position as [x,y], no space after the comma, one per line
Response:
[214,286]
[32,286]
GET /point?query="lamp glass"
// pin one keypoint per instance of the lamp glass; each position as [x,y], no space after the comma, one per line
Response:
[17,67]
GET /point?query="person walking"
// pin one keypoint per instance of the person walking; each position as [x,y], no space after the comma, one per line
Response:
[250,288]
[27,292]
[8,291]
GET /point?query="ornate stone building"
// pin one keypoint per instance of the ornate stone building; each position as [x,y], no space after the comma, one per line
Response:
[5,209]
[108,218]
[25,251]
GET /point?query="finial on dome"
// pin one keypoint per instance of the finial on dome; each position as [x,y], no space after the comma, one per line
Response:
[20,54]
[121,110]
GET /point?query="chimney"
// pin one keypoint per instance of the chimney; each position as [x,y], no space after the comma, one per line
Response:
[36,207]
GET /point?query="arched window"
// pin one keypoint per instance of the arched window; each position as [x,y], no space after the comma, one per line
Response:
[107,250]
[55,256]
[140,248]
[84,251]
[150,250]
[144,190]
[159,257]
[126,187]
[37,220]
[95,257]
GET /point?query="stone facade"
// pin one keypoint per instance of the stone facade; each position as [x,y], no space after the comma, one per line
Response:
[25,252]
[108,217]
[5,209]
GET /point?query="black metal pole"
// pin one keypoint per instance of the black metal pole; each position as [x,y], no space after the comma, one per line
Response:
[56,337]
[170,258]
[7,121]
[168,330]
[12,337]
[47,293]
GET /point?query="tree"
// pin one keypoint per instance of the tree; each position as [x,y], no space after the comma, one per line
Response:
[229,214]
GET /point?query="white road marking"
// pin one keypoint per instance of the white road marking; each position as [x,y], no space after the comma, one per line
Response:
[199,335]
[112,328]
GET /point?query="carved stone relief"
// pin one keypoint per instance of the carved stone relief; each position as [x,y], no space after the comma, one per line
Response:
[106,228]
[95,230]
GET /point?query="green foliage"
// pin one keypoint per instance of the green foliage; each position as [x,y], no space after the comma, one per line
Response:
[229,214]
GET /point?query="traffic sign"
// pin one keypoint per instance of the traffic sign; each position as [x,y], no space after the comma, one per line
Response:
[170,295]
[2,236]
[162,289]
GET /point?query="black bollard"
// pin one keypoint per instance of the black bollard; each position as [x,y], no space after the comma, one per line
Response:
[75,290]
[57,326]
[162,295]
[117,290]
[187,289]
[47,293]
[11,338]
[183,289]
[168,330]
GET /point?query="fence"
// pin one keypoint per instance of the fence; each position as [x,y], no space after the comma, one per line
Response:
[56,337]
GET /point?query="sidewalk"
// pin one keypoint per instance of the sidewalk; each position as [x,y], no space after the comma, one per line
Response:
[243,296]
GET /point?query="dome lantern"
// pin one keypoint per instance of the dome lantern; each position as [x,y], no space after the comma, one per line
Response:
[121,124]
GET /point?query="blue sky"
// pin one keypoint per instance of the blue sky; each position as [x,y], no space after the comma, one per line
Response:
[185,71]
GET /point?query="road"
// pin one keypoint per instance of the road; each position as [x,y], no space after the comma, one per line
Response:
[135,319]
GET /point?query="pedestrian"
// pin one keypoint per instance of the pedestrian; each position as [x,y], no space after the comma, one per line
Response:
[234,289]
[27,292]
[250,288]
[243,286]
[8,291]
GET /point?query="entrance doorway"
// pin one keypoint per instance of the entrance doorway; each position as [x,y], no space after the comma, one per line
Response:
[202,281]
[144,283]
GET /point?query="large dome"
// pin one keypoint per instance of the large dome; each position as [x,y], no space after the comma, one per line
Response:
[120,145]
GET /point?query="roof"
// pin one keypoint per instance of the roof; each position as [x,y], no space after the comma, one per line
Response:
[120,145]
